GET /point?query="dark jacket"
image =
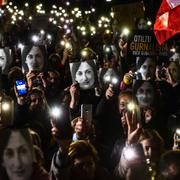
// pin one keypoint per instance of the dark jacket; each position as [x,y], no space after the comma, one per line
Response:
[62,170]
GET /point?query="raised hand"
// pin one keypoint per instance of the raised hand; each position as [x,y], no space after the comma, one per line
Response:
[134,128]
[109,92]
[74,92]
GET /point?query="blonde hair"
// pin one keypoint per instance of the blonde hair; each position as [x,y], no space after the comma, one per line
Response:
[82,148]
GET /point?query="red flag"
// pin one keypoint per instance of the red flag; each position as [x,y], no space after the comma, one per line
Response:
[3,2]
[167,22]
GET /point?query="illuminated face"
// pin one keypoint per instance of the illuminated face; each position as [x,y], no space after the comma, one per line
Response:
[145,95]
[18,158]
[142,24]
[85,76]
[3,59]
[147,69]
[174,70]
[123,101]
[35,59]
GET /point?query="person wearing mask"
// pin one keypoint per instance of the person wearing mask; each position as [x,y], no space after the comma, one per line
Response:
[5,60]
[33,111]
[33,58]
[84,74]
[84,89]
[17,156]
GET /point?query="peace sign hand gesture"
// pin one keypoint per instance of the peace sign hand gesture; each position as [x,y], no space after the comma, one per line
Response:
[134,128]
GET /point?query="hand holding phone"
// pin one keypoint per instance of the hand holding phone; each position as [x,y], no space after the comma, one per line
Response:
[133,112]
[21,87]
[86,113]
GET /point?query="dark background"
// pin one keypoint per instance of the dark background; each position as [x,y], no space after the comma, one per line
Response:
[151,6]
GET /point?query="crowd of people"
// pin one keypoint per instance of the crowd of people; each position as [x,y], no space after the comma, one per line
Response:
[82,110]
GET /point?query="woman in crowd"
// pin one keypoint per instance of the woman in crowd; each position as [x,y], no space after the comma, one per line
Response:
[140,156]
[148,101]
[152,107]
[174,73]
[145,70]
[146,67]
[84,87]
[173,78]
[145,93]
[111,70]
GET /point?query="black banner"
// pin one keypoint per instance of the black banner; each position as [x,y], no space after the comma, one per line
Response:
[144,43]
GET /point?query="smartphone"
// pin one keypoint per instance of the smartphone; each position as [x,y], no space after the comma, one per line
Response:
[132,107]
[68,46]
[86,113]
[21,87]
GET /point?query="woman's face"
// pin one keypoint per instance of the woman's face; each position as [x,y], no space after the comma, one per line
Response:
[18,158]
[3,59]
[145,95]
[123,101]
[174,71]
[147,69]
[35,59]
[85,76]
[142,24]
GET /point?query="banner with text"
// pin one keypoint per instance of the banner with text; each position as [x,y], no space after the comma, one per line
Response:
[144,43]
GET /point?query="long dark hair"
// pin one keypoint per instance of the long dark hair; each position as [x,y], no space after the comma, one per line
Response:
[5,135]
[139,83]
[8,61]
[75,66]
[26,51]
[141,59]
